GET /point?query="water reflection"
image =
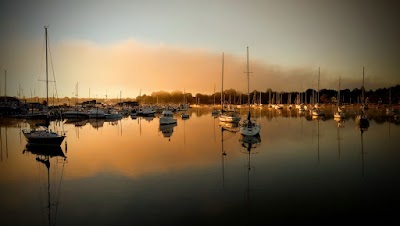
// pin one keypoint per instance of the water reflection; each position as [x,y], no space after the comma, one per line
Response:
[229,126]
[148,118]
[249,143]
[78,122]
[50,166]
[137,174]
[362,151]
[229,129]
[167,130]
[3,141]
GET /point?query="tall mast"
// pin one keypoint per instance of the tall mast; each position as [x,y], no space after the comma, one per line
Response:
[222,91]
[362,89]
[5,84]
[248,79]
[319,74]
[338,100]
[47,72]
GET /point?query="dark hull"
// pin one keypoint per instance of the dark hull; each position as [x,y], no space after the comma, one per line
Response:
[51,151]
[48,141]
[76,116]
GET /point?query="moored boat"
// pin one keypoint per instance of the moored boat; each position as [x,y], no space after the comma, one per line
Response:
[167,117]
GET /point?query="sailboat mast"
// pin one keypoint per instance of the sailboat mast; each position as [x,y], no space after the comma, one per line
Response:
[362,89]
[47,72]
[222,91]
[5,84]
[319,74]
[248,79]
[338,100]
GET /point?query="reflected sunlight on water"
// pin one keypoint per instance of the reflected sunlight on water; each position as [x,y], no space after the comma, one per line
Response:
[125,171]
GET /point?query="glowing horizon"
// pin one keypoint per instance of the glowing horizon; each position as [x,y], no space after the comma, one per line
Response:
[134,47]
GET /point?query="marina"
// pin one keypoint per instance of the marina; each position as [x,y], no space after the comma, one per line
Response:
[299,169]
[156,113]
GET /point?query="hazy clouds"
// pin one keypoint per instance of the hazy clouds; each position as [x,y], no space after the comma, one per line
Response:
[129,66]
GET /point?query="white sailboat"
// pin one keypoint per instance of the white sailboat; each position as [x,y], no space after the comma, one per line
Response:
[184,107]
[44,136]
[225,116]
[361,119]
[339,114]
[316,112]
[249,127]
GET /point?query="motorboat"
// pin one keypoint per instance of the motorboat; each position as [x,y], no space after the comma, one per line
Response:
[185,115]
[167,117]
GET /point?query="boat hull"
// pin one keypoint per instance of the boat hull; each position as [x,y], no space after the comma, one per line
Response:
[229,118]
[51,151]
[167,121]
[250,131]
[43,138]
[53,141]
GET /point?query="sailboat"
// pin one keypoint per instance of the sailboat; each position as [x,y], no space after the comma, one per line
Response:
[249,127]
[316,112]
[44,136]
[184,107]
[361,119]
[225,116]
[339,114]
[389,109]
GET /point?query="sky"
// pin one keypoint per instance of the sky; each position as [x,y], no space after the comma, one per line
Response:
[133,47]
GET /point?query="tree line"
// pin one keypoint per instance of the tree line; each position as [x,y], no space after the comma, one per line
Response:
[326,96]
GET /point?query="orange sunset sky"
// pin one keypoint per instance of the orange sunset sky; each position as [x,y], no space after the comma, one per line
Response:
[127,46]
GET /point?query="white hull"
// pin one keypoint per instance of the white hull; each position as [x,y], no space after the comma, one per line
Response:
[317,112]
[252,130]
[185,116]
[339,115]
[167,118]
[229,118]
[166,121]
[96,113]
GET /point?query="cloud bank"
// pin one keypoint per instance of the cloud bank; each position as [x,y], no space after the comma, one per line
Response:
[130,66]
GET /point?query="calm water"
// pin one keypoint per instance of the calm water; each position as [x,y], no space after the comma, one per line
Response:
[130,172]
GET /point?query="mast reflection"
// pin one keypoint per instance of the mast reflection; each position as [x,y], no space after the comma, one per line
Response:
[50,186]
[250,143]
